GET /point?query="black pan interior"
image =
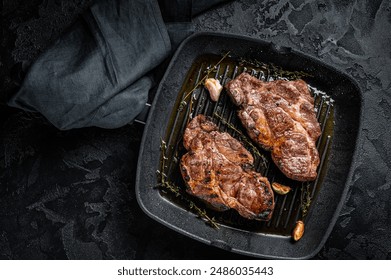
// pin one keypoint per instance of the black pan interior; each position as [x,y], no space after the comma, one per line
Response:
[338,145]
[190,103]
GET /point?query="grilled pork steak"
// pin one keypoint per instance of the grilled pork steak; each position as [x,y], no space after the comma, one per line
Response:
[218,170]
[280,116]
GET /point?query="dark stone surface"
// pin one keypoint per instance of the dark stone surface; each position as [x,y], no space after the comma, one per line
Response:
[71,194]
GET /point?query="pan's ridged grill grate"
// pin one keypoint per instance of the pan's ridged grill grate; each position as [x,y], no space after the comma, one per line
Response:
[288,208]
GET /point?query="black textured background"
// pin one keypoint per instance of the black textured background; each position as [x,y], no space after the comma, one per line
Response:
[70,195]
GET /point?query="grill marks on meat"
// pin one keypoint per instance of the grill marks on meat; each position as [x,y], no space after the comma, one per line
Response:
[218,170]
[280,116]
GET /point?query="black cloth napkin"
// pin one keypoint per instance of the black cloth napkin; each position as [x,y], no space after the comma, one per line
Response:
[98,73]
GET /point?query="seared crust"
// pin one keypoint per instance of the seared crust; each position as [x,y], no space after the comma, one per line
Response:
[218,170]
[280,117]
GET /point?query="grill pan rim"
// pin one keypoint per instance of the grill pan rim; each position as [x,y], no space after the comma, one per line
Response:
[191,216]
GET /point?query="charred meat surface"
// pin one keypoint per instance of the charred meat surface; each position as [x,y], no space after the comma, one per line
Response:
[218,170]
[280,116]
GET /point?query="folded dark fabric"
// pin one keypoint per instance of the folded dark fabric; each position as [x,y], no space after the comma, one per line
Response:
[176,10]
[98,73]
[95,74]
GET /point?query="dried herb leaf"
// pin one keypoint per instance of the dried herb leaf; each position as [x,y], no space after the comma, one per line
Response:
[305,199]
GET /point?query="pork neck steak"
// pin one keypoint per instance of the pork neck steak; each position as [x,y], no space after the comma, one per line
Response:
[280,116]
[218,170]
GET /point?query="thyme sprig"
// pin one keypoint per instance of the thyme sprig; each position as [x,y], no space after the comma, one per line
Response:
[210,70]
[305,199]
[177,191]
[244,138]
[274,70]
[201,213]
[291,75]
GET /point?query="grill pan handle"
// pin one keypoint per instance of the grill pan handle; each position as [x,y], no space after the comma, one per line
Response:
[142,117]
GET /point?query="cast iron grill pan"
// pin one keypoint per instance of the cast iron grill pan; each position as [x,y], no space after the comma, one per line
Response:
[337,103]
[223,113]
